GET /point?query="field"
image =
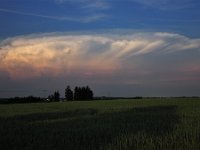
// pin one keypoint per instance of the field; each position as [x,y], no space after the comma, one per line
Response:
[161,124]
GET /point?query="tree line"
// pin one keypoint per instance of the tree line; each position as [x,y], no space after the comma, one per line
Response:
[79,94]
[28,99]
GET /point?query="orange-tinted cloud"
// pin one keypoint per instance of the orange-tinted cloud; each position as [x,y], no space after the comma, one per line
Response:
[89,55]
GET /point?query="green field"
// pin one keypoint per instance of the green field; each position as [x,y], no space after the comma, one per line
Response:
[111,125]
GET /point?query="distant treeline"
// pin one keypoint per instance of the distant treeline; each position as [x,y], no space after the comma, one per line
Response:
[78,94]
[140,97]
[28,99]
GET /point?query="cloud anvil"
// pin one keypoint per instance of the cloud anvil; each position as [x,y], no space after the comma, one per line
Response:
[99,55]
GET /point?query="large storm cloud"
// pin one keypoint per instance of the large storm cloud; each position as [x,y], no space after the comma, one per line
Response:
[156,58]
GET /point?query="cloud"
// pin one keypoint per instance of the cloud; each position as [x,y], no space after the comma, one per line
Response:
[95,5]
[141,55]
[138,63]
[83,19]
[166,4]
[91,5]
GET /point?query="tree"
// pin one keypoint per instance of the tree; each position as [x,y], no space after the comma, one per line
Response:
[51,98]
[83,93]
[56,96]
[89,93]
[77,93]
[68,94]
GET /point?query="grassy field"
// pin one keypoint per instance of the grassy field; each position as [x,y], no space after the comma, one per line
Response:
[111,125]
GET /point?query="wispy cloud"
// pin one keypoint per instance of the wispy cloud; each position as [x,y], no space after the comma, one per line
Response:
[90,5]
[96,5]
[166,4]
[84,19]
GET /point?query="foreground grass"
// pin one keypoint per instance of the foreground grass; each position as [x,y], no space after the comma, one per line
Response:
[111,125]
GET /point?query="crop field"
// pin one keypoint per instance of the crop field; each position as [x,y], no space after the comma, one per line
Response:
[161,124]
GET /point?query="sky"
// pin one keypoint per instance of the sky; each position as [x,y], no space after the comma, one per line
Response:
[117,47]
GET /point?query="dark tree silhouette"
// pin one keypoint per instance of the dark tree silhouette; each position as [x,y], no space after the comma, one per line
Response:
[76,92]
[56,96]
[89,93]
[51,98]
[68,94]
[83,93]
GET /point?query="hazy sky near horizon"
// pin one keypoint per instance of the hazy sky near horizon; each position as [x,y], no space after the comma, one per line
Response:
[118,47]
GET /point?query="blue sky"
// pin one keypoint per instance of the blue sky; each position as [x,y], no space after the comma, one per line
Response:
[35,16]
[118,47]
